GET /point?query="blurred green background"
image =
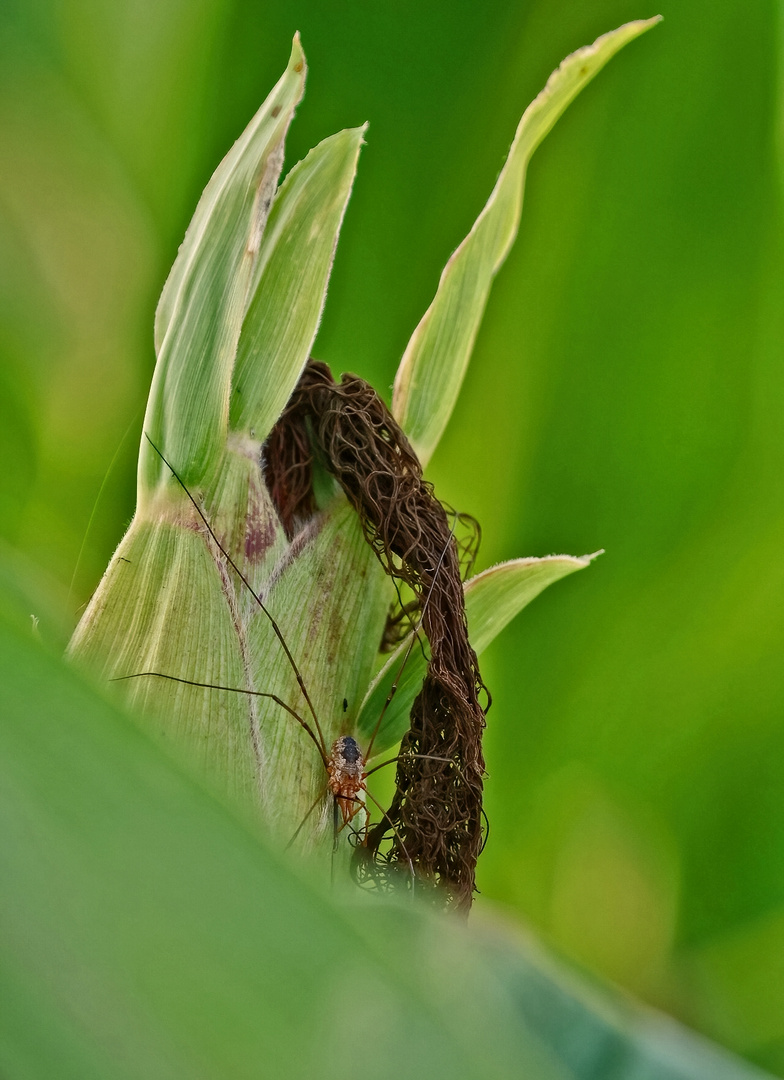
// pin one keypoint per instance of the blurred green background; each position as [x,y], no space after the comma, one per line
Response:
[625,393]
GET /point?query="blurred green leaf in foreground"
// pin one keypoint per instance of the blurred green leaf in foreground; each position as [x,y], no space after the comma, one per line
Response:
[146,932]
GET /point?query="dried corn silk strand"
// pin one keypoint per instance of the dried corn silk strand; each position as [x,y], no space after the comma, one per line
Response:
[435,819]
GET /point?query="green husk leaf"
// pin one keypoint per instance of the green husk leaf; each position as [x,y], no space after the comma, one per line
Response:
[291,282]
[168,604]
[493,598]
[434,364]
[205,298]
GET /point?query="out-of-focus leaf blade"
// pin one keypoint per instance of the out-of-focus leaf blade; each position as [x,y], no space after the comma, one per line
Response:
[493,598]
[290,282]
[148,932]
[35,603]
[434,363]
[205,298]
[601,1034]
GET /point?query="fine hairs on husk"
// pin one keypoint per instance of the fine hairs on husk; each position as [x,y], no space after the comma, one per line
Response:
[435,820]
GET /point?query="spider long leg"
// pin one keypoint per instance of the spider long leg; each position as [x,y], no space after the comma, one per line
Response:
[378,806]
[254,594]
[301,825]
[234,690]
[432,757]
[419,757]
[414,639]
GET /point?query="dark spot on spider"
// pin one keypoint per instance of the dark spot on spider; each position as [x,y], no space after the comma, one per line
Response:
[350,750]
[276,111]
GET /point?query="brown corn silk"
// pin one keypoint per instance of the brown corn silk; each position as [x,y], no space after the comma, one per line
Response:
[435,819]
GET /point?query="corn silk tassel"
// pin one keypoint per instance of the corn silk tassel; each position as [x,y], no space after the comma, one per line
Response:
[435,820]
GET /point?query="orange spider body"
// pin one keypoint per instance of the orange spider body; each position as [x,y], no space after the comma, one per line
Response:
[346,768]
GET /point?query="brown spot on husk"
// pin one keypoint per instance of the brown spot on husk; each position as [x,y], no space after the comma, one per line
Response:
[259,528]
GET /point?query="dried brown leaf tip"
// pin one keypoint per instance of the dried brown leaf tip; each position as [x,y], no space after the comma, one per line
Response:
[435,821]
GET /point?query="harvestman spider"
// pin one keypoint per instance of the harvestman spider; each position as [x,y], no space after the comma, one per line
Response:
[344,762]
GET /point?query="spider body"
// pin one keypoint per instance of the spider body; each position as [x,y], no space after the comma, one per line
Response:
[346,771]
